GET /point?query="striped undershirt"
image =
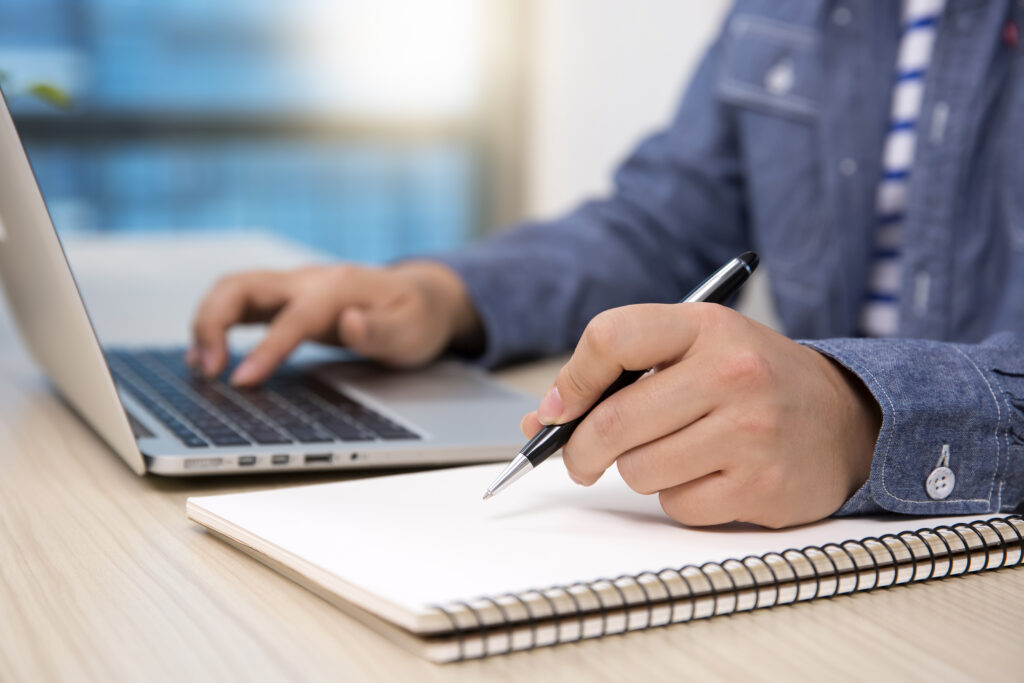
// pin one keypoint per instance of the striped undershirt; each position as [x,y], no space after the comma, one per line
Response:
[880,316]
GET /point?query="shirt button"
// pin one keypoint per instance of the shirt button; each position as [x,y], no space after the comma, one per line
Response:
[940,483]
[848,166]
[842,16]
[779,79]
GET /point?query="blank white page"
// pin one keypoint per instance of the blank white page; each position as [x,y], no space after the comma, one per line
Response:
[427,538]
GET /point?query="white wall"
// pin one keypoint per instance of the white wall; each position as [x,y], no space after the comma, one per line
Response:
[603,74]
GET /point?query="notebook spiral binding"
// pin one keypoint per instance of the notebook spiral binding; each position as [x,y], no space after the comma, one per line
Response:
[632,603]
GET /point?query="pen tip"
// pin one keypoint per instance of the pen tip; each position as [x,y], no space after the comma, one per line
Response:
[488,495]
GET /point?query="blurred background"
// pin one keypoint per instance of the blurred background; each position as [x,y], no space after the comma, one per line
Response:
[369,129]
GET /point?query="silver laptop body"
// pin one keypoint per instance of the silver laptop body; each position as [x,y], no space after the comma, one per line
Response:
[445,414]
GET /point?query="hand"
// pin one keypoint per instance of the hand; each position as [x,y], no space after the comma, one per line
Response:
[738,423]
[403,315]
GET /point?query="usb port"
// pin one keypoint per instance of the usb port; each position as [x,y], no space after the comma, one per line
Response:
[202,463]
[280,459]
[246,460]
[317,458]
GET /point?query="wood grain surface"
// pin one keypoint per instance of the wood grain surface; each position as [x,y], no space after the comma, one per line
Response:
[103,578]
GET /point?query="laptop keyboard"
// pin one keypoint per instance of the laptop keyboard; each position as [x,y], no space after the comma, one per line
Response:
[291,407]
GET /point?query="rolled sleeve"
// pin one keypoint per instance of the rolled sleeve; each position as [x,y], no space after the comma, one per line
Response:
[936,394]
[677,212]
[519,295]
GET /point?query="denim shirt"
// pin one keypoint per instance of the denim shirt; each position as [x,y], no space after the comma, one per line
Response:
[789,167]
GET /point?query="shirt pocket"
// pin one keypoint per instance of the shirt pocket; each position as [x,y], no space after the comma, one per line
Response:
[769,79]
[771,66]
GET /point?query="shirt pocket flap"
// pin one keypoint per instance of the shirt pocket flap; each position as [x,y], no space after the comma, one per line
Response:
[771,66]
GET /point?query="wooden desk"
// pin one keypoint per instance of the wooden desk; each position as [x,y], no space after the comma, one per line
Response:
[102,577]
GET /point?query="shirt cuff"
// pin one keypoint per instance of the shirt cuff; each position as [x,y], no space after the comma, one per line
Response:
[480,285]
[941,408]
[518,294]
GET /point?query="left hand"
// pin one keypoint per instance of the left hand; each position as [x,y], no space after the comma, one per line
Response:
[739,423]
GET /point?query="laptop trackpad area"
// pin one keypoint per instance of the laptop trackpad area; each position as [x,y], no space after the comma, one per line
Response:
[447,381]
[448,403]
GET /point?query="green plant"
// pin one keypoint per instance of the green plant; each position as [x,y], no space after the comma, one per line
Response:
[44,92]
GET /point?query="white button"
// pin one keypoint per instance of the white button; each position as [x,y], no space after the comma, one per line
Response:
[922,287]
[940,119]
[779,79]
[842,16]
[940,483]
[848,166]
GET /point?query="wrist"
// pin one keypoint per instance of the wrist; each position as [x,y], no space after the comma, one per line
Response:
[447,297]
[861,419]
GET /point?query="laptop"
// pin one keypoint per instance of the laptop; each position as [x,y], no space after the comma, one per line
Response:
[160,418]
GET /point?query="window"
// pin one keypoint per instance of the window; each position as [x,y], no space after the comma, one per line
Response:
[369,128]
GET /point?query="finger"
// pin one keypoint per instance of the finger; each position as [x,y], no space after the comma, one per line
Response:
[293,325]
[678,458]
[245,297]
[657,405]
[628,338]
[706,501]
[382,332]
[354,329]
[530,425]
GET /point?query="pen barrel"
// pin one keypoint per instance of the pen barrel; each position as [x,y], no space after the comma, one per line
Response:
[548,440]
[721,285]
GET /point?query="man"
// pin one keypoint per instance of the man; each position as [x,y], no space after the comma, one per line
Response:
[869,153]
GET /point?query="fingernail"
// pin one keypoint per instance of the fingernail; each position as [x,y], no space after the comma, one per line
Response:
[574,479]
[245,373]
[550,408]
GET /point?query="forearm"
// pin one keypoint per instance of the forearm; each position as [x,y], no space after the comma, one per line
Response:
[969,397]
[535,287]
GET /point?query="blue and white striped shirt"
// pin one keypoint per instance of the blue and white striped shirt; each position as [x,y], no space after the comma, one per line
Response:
[880,316]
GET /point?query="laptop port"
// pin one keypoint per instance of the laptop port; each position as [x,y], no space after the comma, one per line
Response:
[317,458]
[246,460]
[202,463]
[280,459]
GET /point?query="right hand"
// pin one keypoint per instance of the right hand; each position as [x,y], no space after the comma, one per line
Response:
[403,315]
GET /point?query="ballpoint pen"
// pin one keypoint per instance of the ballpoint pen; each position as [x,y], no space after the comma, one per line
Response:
[717,288]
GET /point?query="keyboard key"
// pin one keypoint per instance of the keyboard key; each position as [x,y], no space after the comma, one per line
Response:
[269,438]
[309,435]
[345,430]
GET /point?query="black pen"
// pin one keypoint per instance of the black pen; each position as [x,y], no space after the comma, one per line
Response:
[716,289]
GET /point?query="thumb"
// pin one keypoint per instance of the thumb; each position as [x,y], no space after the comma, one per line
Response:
[379,333]
[354,329]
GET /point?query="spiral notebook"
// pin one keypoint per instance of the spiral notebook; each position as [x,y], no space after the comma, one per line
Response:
[420,558]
